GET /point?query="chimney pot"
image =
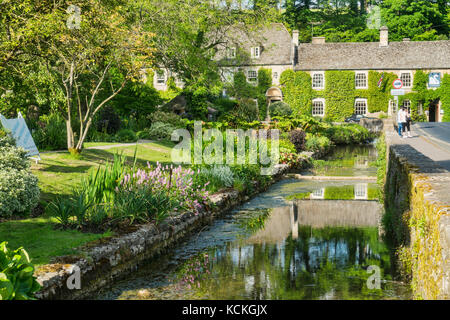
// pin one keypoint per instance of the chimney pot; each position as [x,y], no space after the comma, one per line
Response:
[318,40]
[384,36]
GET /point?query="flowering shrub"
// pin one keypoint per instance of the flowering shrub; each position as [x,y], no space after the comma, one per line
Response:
[19,192]
[292,159]
[177,183]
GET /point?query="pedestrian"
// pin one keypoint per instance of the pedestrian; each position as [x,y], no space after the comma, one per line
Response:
[408,123]
[401,120]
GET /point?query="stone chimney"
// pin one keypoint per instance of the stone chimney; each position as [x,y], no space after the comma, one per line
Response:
[318,40]
[295,37]
[384,36]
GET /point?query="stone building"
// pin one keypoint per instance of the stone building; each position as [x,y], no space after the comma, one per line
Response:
[401,58]
[274,48]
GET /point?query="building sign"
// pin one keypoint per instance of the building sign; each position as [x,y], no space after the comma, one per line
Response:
[434,80]
[397,92]
[21,134]
[398,84]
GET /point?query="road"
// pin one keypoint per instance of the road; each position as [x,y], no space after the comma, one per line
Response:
[431,139]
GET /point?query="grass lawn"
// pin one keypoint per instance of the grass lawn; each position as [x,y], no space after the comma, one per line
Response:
[42,240]
[59,173]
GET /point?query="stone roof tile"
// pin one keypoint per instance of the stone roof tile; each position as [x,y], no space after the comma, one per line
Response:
[370,56]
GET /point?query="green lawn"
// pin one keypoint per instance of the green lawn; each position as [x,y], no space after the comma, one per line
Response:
[42,240]
[59,173]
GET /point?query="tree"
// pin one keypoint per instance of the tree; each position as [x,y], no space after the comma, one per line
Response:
[418,20]
[93,61]
[189,33]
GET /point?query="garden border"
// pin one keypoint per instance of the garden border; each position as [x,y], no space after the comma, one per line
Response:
[103,263]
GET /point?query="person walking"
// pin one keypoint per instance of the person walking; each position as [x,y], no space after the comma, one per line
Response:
[401,121]
[408,124]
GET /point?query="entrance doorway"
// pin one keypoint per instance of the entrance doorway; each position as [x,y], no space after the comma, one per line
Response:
[433,111]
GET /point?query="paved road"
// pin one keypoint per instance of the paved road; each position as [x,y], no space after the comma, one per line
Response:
[432,140]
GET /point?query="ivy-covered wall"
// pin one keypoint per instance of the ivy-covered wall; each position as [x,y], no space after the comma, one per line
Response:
[340,93]
[297,91]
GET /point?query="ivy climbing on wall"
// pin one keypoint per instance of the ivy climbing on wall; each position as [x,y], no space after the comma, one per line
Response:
[340,93]
[297,91]
[444,95]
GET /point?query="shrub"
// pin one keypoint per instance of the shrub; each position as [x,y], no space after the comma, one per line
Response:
[286,146]
[225,105]
[126,135]
[168,118]
[247,110]
[280,109]
[318,144]
[297,137]
[13,158]
[7,141]
[348,134]
[50,133]
[17,281]
[19,192]
[159,131]
[108,120]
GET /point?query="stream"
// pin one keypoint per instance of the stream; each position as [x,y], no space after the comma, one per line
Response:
[301,239]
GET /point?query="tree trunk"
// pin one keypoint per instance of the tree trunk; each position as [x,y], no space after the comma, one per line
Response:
[83,135]
[70,137]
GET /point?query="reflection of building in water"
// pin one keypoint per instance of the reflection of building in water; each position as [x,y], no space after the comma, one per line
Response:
[362,161]
[285,221]
[361,191]
[318,194]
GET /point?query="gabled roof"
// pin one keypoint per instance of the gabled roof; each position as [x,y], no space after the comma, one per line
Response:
[274,40]
[370,56]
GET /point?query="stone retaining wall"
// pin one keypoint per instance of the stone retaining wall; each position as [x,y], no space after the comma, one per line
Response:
[103,263]
[418,217]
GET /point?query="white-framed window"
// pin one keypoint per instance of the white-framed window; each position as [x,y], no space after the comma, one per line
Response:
[318,194]
[318,80]
[256,52]
[318,107]
[361,191]
[231,52]
[407,79]
[160,77]
[252,76]
[361,80]
[361,106]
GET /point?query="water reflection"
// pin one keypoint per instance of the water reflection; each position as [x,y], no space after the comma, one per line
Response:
[298,240]
[297,252]
[348,161]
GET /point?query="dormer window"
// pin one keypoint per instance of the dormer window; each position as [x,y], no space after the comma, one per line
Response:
[256,52]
